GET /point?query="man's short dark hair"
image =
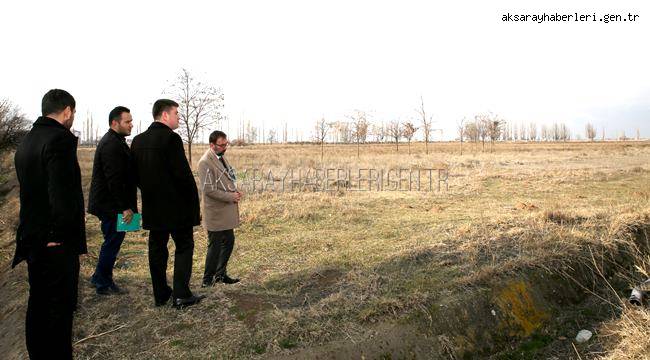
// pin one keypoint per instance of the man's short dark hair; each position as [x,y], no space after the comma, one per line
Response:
[162,105]
[216,135]
[55,101]
[116,114]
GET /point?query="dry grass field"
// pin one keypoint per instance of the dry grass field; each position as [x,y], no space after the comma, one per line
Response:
[531,243]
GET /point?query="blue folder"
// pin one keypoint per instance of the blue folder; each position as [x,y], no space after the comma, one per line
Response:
[134,225]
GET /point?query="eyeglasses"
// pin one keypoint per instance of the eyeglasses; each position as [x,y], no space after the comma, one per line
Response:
[224,145]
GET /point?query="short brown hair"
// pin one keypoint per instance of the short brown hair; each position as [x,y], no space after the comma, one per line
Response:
[216,135]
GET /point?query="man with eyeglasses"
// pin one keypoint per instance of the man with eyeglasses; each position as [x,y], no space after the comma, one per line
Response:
[220,207]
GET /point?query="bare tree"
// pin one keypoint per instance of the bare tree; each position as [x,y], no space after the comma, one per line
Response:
[271,136]
[590,131]
[555,132]
[320,134]
[494,128]
[359,128]
[379,132]
[394,131]
[241,130]
[408,131]
[461,132]
[344,132]
[532,131]
[250,134]
[517,132]
[199,108]
[505,133]
[427,123]
[565,132]
[471,132]
[543,133]
[482,122]
[13,124]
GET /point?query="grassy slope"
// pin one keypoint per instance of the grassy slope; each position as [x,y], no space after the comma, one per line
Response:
[320,268]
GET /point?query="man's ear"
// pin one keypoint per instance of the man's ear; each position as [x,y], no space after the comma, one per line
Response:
[67,112]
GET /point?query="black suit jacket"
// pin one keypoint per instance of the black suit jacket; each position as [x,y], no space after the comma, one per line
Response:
[112,189]
[170,200]
[51,199]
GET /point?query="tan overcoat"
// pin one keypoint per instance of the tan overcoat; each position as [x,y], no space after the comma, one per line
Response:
[216,188]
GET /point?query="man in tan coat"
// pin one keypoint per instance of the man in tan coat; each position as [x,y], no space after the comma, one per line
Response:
[220,209]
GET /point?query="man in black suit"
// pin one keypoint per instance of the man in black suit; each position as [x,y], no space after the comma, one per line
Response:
[112,191]
[170,203]
[51,234]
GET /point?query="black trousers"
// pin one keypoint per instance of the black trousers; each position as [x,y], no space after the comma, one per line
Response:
[53,285]
[220,245]
[158,256]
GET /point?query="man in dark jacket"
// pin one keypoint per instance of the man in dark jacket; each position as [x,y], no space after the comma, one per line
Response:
[112,191]
[51,234]
[170,203]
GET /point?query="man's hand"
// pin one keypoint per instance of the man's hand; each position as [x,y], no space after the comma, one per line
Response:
[53,244]
[127,216]
[236,196]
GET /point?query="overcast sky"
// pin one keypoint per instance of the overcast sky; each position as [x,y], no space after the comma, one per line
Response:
[296,61]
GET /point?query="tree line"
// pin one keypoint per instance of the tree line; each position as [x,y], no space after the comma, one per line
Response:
[201,111]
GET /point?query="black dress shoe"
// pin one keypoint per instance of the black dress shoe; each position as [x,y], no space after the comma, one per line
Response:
[228,280]
[110,290]
[103,291]
[116,289]
[183,303]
